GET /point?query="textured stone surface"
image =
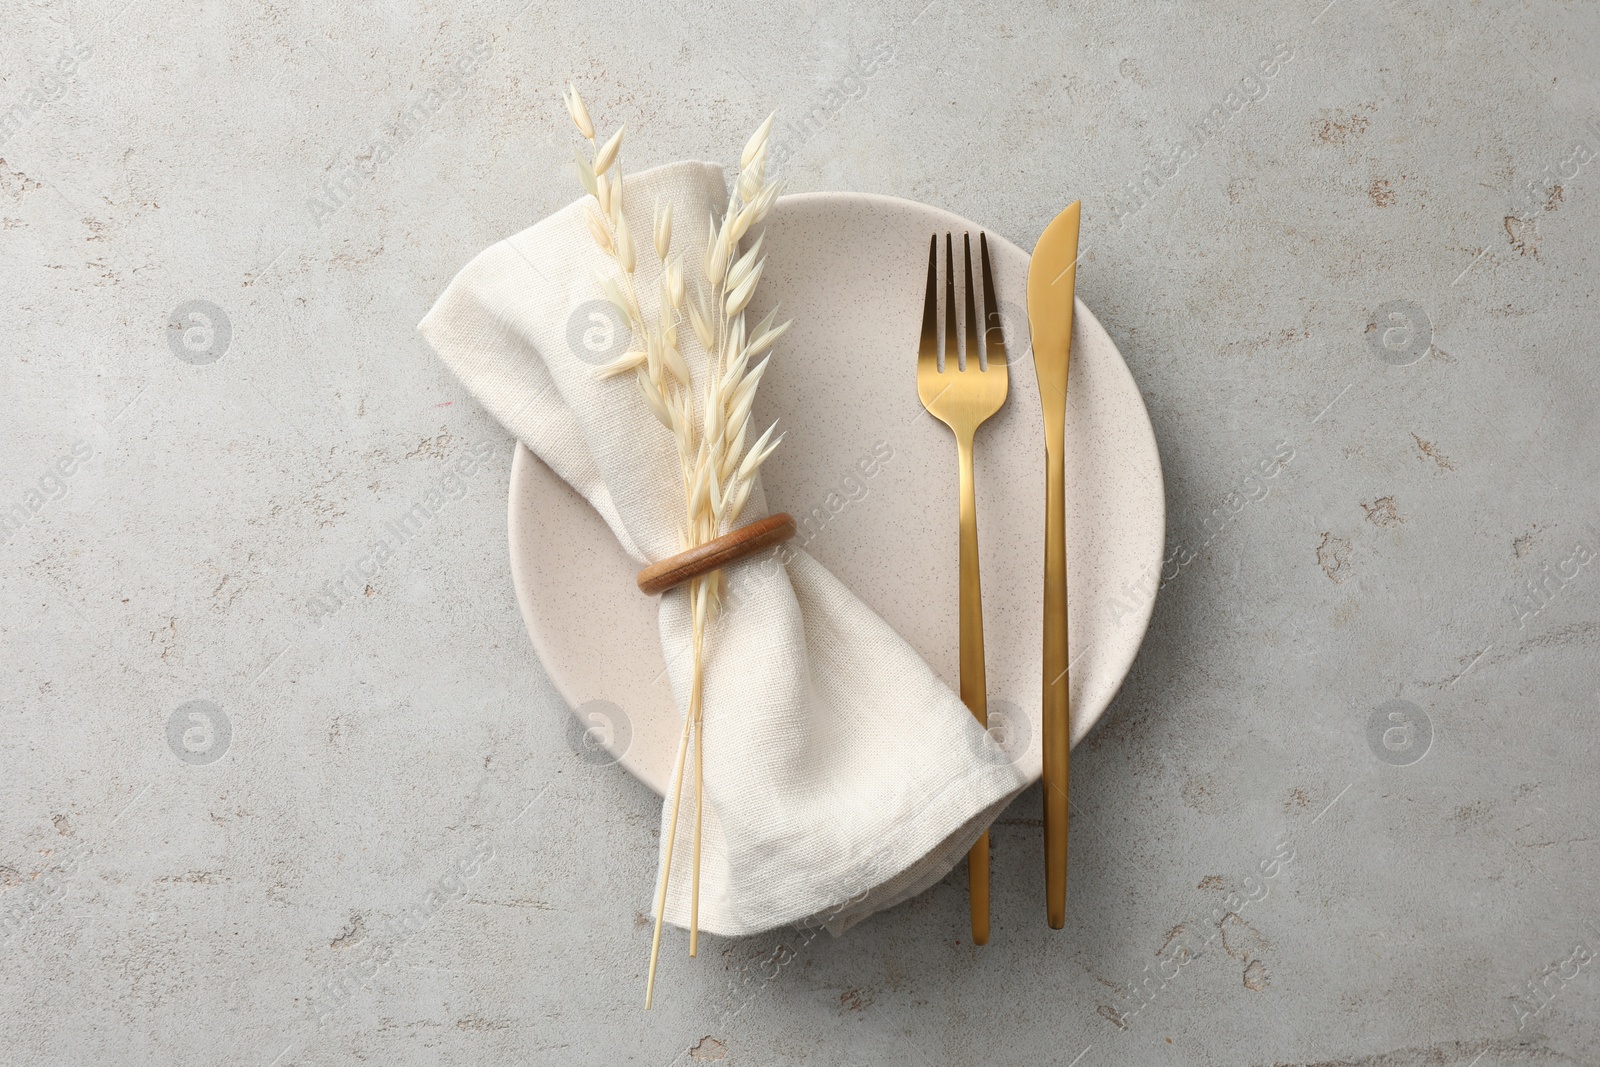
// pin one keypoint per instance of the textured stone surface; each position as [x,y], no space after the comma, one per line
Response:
[394,831]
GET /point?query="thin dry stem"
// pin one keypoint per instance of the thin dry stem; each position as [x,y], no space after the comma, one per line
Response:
[696,707]
[666,868]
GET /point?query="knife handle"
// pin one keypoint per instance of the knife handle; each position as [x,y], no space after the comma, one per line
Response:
[1056,717]
[973,683]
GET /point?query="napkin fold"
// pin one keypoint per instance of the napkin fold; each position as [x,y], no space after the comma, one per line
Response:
[841,775]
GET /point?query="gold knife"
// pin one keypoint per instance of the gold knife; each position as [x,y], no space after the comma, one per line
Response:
[1052,279]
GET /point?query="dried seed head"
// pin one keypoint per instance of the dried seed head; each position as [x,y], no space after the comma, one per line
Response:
[663,231]
[757,141]
[745,219]
[585,174]
[579,113]
[750,182]
[735,339]
[744,395]
[755,210]
[619,301]
[652,397]
[598,230]
[741,296]
[700,320]
[608,151]
[709,421]
[745,264]
[757,455]
[736,505]
[629,361]
[625,253]
[767,338]
[717,252]
[675,290]
[714,422]
[717,262]
[676,365]
[735,446]
[769,192]
[765,324]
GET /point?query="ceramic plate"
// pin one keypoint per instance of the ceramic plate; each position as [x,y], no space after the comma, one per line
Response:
[871,477]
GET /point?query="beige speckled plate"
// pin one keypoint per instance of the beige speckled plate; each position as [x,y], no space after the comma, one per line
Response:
[872,479]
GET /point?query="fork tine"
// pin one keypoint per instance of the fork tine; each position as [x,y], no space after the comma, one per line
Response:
[971,331]
[994,340]
[950,356]
[928,350]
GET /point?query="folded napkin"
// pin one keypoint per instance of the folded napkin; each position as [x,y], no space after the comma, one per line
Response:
[841,775]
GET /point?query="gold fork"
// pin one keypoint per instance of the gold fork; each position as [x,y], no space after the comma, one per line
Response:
[962,397]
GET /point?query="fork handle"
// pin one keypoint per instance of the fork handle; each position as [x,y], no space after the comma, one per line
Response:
[1056,725]
[973,691]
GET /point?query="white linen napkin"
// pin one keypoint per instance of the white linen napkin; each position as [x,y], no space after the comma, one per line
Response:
[841,775]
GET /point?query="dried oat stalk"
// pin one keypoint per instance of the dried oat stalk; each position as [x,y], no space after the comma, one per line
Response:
[710,419]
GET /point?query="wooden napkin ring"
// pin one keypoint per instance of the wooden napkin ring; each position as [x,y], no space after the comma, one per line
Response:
[729,548]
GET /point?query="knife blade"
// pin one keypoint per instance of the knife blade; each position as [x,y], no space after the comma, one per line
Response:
[1052,283]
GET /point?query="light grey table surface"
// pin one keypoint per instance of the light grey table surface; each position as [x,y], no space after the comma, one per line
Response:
[373,841]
